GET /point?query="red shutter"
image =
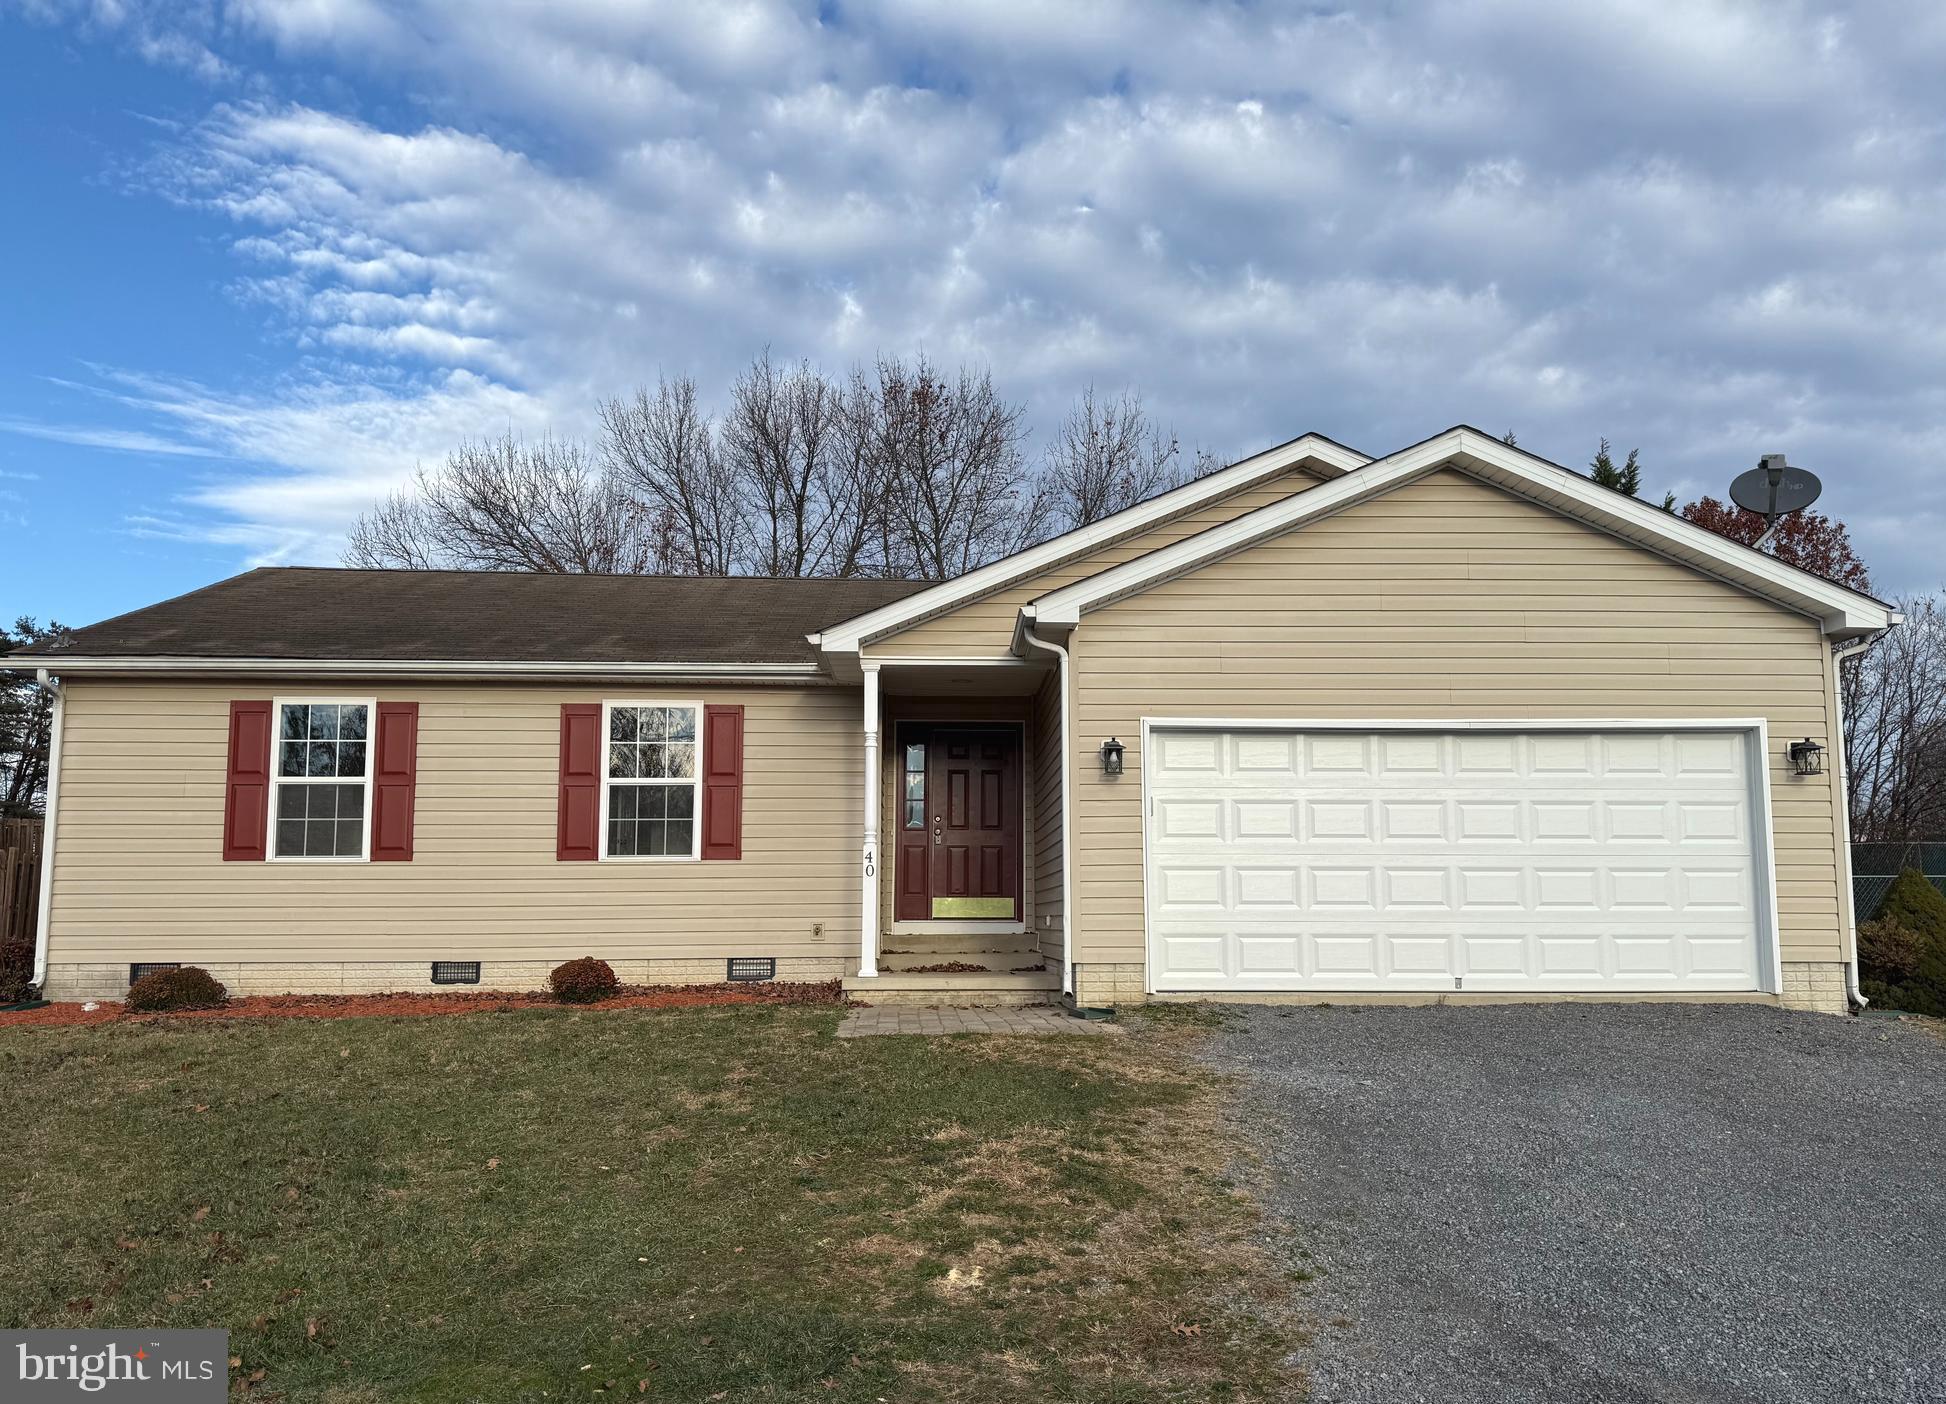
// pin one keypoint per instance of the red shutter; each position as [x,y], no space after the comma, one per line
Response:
[722,782]
[577,833]
[395,775]
[246,798]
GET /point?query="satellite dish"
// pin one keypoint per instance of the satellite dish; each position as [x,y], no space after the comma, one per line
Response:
[1773,488]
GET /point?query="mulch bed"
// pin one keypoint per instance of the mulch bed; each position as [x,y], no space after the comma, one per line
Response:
[469,1002]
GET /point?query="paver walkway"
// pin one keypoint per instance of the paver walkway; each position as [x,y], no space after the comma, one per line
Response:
[910,1019]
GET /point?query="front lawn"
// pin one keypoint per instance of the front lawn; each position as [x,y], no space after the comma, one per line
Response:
[711,1205]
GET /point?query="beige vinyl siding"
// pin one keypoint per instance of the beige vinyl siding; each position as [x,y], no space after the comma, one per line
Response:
[1447,598]
[138,872]
[985,627]
[1044,781]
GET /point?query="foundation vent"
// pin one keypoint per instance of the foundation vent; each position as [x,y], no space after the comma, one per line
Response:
[753,967]
[456,972]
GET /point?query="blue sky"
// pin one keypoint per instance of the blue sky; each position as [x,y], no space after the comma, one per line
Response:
[263,256]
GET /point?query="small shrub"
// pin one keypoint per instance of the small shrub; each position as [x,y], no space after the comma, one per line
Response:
[583,981]
[17,973]
[1907,965]
[1888,951]
[188,987]
[1918,906]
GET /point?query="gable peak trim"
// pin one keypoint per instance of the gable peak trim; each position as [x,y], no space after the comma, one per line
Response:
[1840,612]
[1314,451]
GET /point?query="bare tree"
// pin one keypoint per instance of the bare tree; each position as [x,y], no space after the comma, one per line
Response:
[1895,729]
[856,478]
[800,448]
[896,470]
[958,493]
[506,504]
[26,722]
[660,448]
[1106,456]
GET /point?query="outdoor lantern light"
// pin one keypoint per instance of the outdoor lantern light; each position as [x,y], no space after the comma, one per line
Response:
[1807,757]
[1111,757]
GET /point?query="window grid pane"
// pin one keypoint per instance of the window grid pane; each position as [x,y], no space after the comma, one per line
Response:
[319,740]
[915,786]
[320,820]
[652,764]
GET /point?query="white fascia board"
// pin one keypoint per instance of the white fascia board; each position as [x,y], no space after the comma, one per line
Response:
[1840,612]
[419,668]
[1309,451]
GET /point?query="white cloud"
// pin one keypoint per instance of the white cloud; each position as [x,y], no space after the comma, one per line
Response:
[97,436]
[1709,232]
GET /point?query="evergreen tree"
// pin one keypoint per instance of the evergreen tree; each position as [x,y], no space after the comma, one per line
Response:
[1627,479]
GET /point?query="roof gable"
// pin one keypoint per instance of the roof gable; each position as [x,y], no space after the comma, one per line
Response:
[1314,451]
[1842,613]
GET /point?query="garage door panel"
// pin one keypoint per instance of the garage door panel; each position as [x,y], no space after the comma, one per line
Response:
[1543,861]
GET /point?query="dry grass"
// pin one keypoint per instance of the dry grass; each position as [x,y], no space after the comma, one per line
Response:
[728,1205]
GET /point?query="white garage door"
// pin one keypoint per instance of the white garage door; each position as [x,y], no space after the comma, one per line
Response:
[1473,860]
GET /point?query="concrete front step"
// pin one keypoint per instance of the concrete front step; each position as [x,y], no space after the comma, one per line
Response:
[962,990]
[990,962]
[929,943]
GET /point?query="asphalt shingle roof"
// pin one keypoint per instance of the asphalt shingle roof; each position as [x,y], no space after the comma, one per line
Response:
[303,612]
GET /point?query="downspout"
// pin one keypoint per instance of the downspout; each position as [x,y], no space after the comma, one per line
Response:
[1067,815]
[1838,654]
[47,827]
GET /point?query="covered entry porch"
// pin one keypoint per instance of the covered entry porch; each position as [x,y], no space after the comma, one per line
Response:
[962,845]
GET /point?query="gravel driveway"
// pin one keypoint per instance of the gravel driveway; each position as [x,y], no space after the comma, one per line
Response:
[1607,1202]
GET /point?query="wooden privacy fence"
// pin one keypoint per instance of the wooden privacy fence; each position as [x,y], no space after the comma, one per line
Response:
[20,889]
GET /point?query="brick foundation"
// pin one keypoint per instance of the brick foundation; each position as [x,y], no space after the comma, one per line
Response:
[93,981]
[1818,986]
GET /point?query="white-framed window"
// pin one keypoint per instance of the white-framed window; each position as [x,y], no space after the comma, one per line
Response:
[320,780]
[652,781]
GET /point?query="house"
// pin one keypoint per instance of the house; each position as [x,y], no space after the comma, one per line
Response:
[1453,722]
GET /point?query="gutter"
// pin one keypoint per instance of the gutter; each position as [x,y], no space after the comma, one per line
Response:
[1843,798]
[425,668]
[47,827]
[1068,845]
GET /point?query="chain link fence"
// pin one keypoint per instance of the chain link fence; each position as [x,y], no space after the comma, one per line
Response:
[1874,866]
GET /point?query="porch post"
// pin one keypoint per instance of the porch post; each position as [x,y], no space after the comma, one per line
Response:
[868,885]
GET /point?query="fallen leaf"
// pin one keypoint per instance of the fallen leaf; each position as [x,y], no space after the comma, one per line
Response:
[81,1306]
[310,1328]
[1186,1328]
[290,1193]
[236,1362]
[201,1107]
[641,1386]
[257,1323]
[494,1164]
[200,1215]
[173,1298]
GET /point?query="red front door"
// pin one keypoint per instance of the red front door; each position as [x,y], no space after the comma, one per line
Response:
[959,824]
